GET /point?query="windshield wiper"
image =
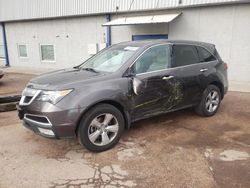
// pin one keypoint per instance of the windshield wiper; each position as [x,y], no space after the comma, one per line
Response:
[90,69]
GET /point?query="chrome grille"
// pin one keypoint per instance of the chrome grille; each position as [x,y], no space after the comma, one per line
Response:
[28,96]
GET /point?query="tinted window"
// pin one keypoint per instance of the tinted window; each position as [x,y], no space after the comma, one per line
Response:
[217,55]
[205,55]
[156,58]
[184,55]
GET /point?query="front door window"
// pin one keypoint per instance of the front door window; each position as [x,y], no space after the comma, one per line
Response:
[154,59]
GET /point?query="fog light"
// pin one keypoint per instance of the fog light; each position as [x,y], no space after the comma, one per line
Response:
[46,131]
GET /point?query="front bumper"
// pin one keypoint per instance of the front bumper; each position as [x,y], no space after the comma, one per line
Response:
[49,121]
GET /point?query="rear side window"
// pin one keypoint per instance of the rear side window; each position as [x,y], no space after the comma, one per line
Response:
[184,55]
[217,55]
[205,56]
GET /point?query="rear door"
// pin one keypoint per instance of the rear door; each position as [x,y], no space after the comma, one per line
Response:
[187,72]
[208,64]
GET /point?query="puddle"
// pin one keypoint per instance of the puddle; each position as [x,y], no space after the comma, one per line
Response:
[233,155]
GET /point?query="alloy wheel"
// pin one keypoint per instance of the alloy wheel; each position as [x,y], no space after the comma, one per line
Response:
[212,101]
[103,129]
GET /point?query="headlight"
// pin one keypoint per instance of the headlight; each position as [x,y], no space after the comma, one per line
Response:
[53,96]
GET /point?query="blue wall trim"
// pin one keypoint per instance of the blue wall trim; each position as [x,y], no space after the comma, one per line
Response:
[108,19]
[7,63]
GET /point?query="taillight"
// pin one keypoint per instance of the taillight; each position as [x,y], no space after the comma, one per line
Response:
[225,66]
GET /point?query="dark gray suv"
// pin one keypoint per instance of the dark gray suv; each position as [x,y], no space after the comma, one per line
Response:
[124,83]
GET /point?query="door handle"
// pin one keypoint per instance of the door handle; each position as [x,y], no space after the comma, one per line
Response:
[203,70]
[167,77]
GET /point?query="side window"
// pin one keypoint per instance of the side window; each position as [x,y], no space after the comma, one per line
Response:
[205,56]
[184,55]
[155,58]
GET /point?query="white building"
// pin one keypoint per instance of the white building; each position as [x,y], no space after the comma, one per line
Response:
[62,33]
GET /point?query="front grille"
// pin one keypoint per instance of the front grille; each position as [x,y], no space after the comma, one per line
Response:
[38,118]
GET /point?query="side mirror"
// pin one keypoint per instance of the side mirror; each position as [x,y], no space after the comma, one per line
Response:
[137,85]
[135,82]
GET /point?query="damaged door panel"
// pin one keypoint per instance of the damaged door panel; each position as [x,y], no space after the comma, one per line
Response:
[187,70]
[160,91]
[157,96]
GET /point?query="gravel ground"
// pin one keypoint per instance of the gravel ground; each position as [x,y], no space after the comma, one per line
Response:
[179,149]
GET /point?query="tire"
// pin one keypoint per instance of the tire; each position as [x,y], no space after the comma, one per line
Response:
[100,128]
[209,104]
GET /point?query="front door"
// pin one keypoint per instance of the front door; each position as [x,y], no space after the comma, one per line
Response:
[159,89]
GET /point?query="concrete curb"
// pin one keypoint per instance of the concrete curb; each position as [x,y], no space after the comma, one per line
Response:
[8,106]
[8,99]
[8,103]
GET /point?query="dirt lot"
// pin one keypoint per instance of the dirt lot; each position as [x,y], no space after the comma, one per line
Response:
[179,149]
[13,83]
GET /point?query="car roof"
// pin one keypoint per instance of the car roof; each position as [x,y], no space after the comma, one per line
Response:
[148,43]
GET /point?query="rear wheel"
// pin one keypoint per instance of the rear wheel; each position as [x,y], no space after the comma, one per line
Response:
[210,101]
[101,128]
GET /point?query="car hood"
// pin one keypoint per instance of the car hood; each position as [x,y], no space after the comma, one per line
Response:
[62,79]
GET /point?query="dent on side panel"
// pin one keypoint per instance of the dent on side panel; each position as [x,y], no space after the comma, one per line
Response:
[176,90]
[171,96]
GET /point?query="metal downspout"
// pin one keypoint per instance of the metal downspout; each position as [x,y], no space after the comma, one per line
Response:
[5,46]
[108,19]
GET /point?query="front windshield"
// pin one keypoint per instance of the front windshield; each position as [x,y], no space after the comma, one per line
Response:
[110,60]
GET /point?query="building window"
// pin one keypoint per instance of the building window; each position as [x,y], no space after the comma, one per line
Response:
[22,50]
[1,52]
[47,52]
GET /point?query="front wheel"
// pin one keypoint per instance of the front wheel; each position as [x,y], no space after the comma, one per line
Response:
[101,128]
[210,101]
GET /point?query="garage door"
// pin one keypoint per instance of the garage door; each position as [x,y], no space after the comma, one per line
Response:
[148,37]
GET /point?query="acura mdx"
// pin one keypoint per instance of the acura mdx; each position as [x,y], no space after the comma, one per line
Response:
[96,100]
